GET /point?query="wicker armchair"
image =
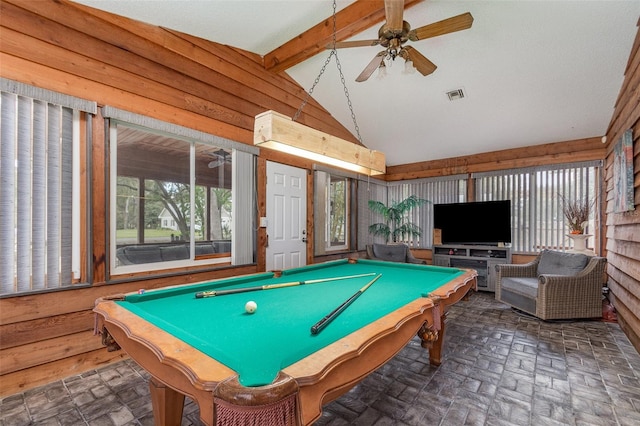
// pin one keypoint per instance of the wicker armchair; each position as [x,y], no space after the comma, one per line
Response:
[554,286]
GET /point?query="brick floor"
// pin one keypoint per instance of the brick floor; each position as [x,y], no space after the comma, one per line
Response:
[499,368]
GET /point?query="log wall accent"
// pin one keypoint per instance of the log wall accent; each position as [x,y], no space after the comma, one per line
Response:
[623,229]
[80,51]
[552,153]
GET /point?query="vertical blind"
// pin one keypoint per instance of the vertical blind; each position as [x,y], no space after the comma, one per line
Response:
[36,197]
[321,181]
[450,189]
[537,196]
[369,190]
[244,208]
[39,171]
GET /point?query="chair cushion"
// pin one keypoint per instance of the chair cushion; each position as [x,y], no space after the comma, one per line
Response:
[391,252]
[519,301]
[525,286]
[558,263]
[143,254]
[222,246]
[204,248]
[174,252]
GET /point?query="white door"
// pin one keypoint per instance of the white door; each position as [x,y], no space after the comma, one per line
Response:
[286,217]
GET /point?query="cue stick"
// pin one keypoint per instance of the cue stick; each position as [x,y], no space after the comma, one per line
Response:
[317,327]
[213,293]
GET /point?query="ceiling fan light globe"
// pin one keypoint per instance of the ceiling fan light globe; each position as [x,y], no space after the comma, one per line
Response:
[408,67]
[382,71]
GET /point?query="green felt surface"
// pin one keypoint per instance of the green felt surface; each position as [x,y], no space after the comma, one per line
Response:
[257,346]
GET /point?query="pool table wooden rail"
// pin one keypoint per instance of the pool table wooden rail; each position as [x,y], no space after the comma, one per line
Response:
[177,369]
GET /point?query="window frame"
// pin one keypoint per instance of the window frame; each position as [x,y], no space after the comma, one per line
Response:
[444,189]
[243,178]
[321,210]
[193,259]
[580,179]
[329,247]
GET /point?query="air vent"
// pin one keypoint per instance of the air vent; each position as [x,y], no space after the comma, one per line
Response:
[455,94]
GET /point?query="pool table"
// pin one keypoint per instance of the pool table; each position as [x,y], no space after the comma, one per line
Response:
[267,367]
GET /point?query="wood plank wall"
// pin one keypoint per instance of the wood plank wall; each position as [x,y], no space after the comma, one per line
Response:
[623,229]
[72,49]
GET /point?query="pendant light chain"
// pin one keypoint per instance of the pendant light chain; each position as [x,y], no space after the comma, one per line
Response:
[344,84]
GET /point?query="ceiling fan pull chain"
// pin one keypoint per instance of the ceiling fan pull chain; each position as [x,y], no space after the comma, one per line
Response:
[344,84]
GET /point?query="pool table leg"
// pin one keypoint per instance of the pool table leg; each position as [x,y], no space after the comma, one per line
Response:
[167,404]
[432,336]
[435,346]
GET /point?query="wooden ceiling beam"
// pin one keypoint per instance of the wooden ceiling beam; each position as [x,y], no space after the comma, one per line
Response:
[350,21]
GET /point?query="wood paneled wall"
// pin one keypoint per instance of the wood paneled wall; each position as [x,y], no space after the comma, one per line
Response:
[76,50]
[623,229]
[552,153]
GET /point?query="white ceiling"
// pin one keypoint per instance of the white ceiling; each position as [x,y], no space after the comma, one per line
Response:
[533,72]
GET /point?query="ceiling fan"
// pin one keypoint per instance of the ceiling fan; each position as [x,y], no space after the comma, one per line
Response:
[221,157]
[395,32]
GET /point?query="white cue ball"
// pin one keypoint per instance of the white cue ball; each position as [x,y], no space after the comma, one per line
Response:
[250,306]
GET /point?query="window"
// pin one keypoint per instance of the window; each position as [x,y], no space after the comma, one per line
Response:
[173,197]
[332,207]
[537,220]
[41,191]
[450,189]
[338,213]
[160,216]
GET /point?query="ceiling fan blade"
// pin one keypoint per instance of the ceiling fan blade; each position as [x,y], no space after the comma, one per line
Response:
[422,64]
[371,67]
[446,26]
[355,43]
[393,10]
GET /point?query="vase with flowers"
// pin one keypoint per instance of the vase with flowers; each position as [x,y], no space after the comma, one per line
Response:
[577,214]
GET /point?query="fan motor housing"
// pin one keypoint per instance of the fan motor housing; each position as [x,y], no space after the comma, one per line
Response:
[386,35]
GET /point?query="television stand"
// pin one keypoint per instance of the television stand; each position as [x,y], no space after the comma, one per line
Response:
[479,257]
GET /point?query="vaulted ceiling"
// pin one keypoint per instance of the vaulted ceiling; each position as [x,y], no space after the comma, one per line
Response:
[531,72]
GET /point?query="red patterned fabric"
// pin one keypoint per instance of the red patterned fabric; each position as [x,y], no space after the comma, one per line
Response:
[279,413]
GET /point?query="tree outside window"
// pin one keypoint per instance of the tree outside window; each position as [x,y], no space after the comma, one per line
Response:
[159,214]
[338,213]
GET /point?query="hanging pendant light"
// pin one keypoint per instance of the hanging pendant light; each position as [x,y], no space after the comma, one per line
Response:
[279,132]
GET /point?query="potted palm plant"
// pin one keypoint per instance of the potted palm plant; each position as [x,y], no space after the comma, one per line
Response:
[396,224]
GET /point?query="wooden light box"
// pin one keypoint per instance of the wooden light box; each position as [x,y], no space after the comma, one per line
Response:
[277,131]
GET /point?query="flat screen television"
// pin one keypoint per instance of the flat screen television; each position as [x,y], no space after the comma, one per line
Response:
[481,223]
